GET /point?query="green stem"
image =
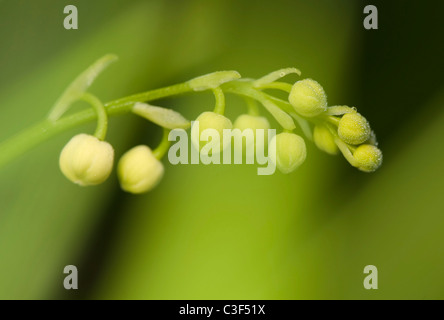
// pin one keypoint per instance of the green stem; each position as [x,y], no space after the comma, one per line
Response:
[346,152]
[346,149]
[246,89]
[253,109]
[79,86]
[220,100]
[42,131]
[302,122]
[152,95]
[163,146]
[102,117]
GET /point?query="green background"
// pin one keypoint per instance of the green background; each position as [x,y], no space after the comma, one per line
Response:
[222,232]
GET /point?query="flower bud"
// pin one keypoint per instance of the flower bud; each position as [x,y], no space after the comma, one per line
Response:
[308,98]
[85,160]
[290,151]
[353,128]
[324,140]
[368,157]
[246,121]
[139,170]
[210,120]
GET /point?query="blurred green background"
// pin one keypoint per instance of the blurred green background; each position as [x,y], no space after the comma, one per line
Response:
[222,232]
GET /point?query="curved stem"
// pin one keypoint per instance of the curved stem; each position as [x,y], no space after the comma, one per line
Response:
[253,110]
[346,149]
[220,100]
[79,86]
[346,152]
[102,117]
[163,146]
[302,122]
[284,105]
[42,131]
[152,95]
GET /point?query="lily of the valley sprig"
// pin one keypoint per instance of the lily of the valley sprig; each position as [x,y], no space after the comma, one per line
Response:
[87,159]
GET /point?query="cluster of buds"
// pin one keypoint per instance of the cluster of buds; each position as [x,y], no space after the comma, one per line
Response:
[88,160]
[338,127]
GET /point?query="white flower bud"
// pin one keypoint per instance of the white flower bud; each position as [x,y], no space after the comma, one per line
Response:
[85,160]
[210,120]
[290,151]
[308,98]
[139,170]
[246,121]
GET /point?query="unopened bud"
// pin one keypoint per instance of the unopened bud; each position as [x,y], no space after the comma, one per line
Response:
[85,160]
[324,140]
[290,151]
[246,121]
[353,128]
[369,157]
[210,120]
[308,98]
[139,170]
